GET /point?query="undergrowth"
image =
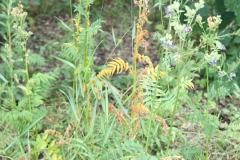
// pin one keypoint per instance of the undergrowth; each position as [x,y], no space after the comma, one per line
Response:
[160,116]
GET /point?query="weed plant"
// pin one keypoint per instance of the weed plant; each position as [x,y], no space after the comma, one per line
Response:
[103,122]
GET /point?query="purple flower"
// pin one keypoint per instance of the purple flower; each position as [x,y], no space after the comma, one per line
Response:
[230,79]
[167,44]
[233,74]
[167,11]
[187,28]
[214,61]
[220,74]
[223,47]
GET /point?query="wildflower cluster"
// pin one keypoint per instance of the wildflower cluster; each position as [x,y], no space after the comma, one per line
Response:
[223,73]
[166,41]
[173,12]
[18,13]
[213,22]
[232,74]
[19,24]
[173,8]
[212,39]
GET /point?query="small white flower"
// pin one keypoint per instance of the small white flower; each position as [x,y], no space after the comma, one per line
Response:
[199,5]
[190,12]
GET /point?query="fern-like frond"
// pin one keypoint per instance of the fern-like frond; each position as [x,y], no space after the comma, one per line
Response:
[234,126]
[38,86]
[152,73]
[23,103]
[39,112]
[14,117]
[186,83]
[95,27]
[70,52]
[140,110]
[142,59]
[165,126]
[41,78]
[7,135]
[116,66]
[18,74]
[120,116]
[150,89]
[36,100]
[35,59]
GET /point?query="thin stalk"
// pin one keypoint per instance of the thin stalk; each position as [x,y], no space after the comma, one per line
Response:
[134,79]
[27,80]
[70,5]
[9,52]
[135,63]
[25,57]
[76,89]
[153,100]
[86,54]
[208,136]
[86,36]
[174,111]
[87,114]
[161,16]
[207,83]
[207,147]
[75,77]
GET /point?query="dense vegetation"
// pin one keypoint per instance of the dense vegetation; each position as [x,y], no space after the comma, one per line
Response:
[133,79]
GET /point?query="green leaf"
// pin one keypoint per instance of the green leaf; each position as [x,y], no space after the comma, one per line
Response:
[36,59]
[72,103]
[114,39]
[236,39]
[108,132]
[82,11]
[204,11]
[219,7]
[234,5]
[65,25]
[66,62]
[227,18]
[2,78]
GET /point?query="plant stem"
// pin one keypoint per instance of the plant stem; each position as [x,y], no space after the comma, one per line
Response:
[86,36]
[9,52]
[153,100]
[27,81]
[135,62]
[207,84]
[207,147]
[174,111]
[86,61]
[208,108]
